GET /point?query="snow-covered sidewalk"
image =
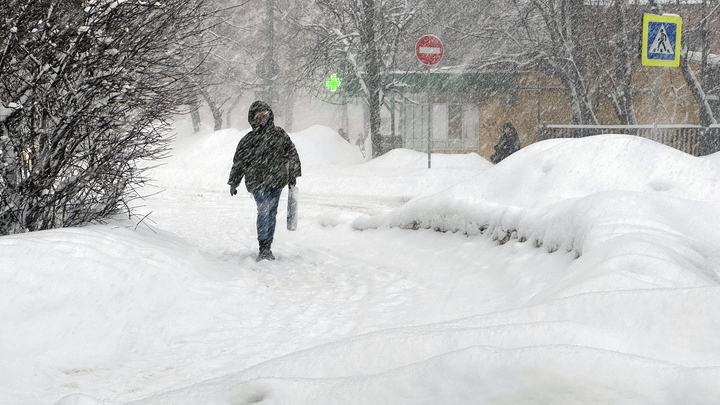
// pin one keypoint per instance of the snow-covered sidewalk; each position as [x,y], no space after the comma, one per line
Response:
[606,291]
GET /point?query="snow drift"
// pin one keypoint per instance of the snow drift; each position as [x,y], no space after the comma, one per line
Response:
[615,192]
[175,310]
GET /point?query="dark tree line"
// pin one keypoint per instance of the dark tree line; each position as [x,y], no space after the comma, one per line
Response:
[363,41]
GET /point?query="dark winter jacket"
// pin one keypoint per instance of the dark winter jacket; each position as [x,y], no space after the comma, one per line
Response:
[265,156]
[508,144]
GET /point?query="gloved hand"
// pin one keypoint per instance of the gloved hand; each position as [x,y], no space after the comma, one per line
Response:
[233,190]
[292,182]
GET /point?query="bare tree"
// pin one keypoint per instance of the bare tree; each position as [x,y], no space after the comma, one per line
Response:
[86,87]
[592,48]
[253,49]
[701,87]
[230,66]
[558,43]
[362,40]
[617,77]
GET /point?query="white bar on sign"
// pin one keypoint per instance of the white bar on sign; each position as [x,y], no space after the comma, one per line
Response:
[427,49]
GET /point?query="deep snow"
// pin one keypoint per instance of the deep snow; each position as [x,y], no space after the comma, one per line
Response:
[575,271]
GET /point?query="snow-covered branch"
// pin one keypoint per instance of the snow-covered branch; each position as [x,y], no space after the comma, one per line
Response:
[82,89]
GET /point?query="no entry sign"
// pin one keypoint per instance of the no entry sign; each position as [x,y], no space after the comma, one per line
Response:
[429,50]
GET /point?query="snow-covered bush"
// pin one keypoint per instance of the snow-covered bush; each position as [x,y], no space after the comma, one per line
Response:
[85,89]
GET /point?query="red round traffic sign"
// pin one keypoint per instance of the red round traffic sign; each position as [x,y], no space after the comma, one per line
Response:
[429,49]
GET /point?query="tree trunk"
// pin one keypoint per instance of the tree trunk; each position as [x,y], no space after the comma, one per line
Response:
[372,72]
[217,113]
[566,57]
[215,109]
[289,101]
[195,116]
[581,107]
[622,95]
[231,108]
[707,117]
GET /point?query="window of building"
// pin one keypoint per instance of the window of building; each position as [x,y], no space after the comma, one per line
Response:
[455,121]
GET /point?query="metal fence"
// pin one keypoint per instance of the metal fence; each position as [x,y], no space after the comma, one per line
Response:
[693,139]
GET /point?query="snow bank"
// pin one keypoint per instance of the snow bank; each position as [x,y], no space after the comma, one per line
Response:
[551,353]
[81,300]
[410,159]
[575,195]
[108,314]
[320,146]
[203,160]
[198,161]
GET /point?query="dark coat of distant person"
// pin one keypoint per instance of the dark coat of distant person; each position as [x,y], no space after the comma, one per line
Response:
[508,144]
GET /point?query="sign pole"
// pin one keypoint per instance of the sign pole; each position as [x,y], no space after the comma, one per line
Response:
[429,51]
[661,45]
[429,121]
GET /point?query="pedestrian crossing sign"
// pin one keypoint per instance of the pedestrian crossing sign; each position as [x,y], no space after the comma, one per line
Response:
[661,40]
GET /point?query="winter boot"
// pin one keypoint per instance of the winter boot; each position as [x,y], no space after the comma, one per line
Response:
[265,252]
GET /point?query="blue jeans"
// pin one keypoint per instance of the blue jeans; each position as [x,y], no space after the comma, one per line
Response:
[267,204]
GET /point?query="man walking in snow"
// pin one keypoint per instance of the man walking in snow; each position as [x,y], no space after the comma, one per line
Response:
[268,160]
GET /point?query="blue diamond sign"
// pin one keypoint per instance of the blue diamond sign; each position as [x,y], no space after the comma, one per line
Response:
[661,40]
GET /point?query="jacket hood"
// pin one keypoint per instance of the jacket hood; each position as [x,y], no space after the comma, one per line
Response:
[256,107]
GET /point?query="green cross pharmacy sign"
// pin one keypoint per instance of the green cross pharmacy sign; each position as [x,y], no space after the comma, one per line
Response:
[333,83]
